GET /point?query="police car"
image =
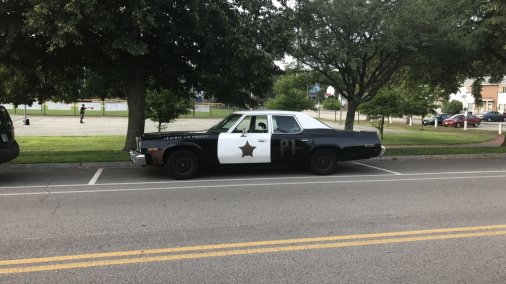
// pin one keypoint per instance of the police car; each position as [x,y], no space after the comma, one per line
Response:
[256,137]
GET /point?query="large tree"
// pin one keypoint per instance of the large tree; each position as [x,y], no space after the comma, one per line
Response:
[225,48]
[360,45]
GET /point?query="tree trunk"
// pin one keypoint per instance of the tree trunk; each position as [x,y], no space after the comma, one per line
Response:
[350,115]
[136,99]
[382,126]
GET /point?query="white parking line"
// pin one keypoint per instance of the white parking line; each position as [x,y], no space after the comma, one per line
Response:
[95,177]
[385,170]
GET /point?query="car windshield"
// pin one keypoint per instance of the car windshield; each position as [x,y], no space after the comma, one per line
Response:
[226,123]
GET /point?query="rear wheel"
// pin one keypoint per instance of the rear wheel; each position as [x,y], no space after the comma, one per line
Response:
[182,164]
[323,162]
[457,124]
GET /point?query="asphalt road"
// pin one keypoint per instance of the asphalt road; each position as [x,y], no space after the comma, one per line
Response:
[374,221]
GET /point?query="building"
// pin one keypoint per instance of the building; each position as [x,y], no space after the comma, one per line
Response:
[493,95]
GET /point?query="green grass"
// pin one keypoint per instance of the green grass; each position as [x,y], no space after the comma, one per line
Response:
[70,149]
[436,137]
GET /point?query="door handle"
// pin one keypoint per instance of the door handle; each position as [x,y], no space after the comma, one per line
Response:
[305,140]
[261,140]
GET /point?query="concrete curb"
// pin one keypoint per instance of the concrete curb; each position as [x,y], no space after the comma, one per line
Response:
[69,165]
[446,157]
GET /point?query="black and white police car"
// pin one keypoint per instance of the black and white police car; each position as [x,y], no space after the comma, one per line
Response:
[256,137]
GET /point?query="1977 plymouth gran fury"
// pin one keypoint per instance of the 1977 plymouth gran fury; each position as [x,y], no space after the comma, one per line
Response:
[256,137]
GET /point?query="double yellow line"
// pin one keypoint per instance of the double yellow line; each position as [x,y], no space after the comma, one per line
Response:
[246,248]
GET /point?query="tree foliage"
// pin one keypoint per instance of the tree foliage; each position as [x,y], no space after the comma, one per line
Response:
[290,94]
[387,103]
[165,106]
[452,107]
[331,103]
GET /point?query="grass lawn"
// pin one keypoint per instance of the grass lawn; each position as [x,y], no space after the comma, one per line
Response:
[70,149]
[436,136]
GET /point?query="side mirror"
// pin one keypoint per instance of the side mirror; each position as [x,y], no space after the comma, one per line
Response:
[244,131]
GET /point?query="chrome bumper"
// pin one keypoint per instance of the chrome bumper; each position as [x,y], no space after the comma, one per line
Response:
[137,158]
[383,149]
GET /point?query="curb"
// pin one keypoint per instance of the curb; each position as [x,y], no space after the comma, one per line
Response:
[69,165]
[445,157]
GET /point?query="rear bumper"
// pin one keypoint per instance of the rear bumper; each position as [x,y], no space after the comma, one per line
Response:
[137,158]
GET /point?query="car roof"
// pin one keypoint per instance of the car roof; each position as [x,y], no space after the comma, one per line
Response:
[306,121]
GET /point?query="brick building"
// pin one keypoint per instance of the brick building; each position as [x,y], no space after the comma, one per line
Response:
[493,95]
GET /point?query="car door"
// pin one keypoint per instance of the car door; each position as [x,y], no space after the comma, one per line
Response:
[290,144]
[249,142]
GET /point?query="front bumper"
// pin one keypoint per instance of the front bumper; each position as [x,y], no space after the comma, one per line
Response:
[137,158]
[383,149]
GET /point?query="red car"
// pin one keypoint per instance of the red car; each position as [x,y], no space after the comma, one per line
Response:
[458,120]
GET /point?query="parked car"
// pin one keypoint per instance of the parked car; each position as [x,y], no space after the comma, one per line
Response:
[491,116]
[256,137]
[458,120]
[9,148]
[440,117]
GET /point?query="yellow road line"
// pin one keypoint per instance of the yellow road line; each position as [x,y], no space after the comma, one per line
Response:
[244,244]
[244,252]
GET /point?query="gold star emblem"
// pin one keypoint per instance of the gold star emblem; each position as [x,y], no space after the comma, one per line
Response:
[247,149]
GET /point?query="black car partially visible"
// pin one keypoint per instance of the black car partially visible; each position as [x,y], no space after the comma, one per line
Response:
[9,148]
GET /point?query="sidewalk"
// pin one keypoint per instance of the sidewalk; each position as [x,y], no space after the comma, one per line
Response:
[93,125]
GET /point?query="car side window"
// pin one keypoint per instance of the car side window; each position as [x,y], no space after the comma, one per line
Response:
[285,124]
[253,124]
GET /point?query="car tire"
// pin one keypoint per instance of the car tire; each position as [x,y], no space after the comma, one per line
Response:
[182,164]
[323,162]
[457,125]
[489,119]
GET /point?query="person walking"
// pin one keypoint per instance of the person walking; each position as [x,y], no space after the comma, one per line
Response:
[81,112]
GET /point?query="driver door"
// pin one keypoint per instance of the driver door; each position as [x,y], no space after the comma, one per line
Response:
[248,143]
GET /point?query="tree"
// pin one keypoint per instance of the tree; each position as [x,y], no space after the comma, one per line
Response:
[331,103]
[452,107]
[360,45]
[387,103]
[419,100]
[488,31]
[165,106]
[225,48]
[290,94]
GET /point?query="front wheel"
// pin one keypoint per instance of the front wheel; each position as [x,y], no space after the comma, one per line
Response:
[323,162]
[457,124]
[182,164]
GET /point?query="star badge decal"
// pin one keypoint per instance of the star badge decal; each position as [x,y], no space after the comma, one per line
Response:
[247,149]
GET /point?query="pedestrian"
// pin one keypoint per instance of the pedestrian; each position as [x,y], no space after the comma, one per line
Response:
[81,112]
